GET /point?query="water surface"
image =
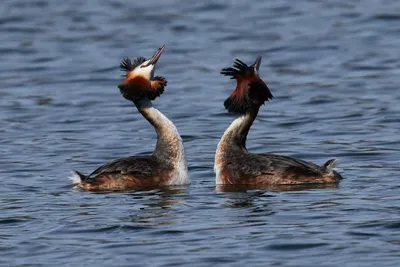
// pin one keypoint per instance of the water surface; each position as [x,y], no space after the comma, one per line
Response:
[333,67]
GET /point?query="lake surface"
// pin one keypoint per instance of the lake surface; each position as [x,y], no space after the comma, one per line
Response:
[333,67]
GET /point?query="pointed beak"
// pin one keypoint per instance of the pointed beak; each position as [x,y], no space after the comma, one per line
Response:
[153,60]
[257,63]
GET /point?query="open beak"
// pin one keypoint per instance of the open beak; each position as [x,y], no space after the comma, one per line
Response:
[153,60]
[257,63]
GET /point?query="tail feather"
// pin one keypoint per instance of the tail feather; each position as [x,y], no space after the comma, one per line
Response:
[77,177]
[329,165]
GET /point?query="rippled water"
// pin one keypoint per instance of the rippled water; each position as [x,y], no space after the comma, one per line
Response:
[333,67]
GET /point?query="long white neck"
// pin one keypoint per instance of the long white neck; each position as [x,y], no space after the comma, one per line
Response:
[233,141]
[169,147]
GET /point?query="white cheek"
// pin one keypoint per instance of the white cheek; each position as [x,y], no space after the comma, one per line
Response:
[146,71]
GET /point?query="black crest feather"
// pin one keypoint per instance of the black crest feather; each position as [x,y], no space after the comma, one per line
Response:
[236,104]
[157,87]
[257,93]
[127,65]
[239,68]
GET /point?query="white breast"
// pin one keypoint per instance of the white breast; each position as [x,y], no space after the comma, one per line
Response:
[180,175]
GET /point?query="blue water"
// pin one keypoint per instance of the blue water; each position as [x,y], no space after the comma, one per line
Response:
[333,67]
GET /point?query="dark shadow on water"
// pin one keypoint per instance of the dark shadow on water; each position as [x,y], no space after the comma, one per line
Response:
[245,188]
[256,197]
[156,206]
[147,207]
[240,199]
[256,204]
[161,197]
[172,189]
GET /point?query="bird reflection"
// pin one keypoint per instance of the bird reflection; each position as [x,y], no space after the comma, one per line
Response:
[153,207]
[254,196]
[269,187]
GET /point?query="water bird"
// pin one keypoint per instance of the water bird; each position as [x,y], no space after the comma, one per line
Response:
[234,165]
[167,165]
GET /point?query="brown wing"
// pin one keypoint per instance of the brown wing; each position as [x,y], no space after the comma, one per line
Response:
[271,162]
[252,165]
[139,167]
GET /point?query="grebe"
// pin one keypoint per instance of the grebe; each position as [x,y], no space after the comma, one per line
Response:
[234,164]
[167,165]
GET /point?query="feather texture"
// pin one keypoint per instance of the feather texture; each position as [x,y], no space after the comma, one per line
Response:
[250,89]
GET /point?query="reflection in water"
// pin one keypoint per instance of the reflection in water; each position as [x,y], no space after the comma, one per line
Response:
[252,208]
[254,196]
[253,201]
[155,206]
[244,188]
[242,199]
[162,188]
